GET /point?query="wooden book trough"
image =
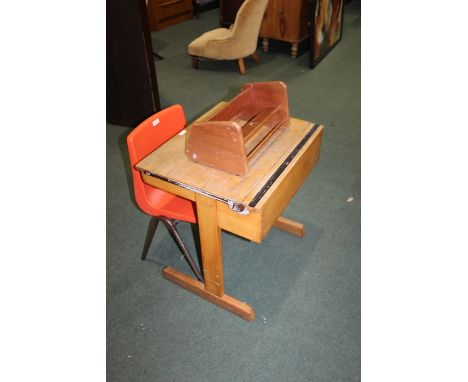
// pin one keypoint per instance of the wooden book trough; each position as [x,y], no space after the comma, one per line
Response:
[231,137]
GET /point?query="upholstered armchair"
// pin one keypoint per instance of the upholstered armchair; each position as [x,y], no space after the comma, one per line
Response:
[235,43]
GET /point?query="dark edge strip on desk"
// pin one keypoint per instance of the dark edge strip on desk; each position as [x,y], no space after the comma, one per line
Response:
[283,166]
[237,207]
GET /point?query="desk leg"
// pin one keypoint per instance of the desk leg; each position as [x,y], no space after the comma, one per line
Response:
[211,248]
[212,258]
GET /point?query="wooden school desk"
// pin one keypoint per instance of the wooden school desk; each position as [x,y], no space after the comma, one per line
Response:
[248,206]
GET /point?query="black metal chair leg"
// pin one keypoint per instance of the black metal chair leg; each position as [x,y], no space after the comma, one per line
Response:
[153,224]
[183,248]
[196,240]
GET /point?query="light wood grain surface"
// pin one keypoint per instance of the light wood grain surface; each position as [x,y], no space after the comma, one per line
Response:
[169,161]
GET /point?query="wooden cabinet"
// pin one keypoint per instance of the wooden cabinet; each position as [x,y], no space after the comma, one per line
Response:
[228,10]
[131,86]
[163,13]
[284,20]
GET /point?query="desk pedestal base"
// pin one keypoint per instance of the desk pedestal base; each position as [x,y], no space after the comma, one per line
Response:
[226,302]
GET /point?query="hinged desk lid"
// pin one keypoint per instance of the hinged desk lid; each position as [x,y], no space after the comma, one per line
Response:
[242,193]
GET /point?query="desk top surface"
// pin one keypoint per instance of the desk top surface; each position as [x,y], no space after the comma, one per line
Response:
[169,163]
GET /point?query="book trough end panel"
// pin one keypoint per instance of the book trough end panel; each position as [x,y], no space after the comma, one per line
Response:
[230,138]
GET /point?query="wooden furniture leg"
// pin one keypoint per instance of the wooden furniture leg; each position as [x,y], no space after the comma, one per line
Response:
[291,226]
[294,49]
[195,61]
[212,257]
[255,57]
[157,57]
[241,64]
[196,8]
[265,44]
[210,240]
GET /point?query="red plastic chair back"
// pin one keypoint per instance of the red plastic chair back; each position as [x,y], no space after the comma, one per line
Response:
[145,138]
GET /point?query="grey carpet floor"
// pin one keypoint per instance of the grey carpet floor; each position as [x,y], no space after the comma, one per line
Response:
[306,291]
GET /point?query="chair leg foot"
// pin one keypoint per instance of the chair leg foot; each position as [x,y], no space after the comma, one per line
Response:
[195,61]
[153,224]
[241,64]
[255,57]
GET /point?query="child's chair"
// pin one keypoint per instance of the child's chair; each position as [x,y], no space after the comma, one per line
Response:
[160,205]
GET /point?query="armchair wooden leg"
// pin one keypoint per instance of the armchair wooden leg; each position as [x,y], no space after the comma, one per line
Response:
[291,226]
[294,49]
[195,61]
[255,57]
[265,45]
[241,64]
[196,8]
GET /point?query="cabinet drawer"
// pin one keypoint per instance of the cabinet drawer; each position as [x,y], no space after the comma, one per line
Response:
[163,13]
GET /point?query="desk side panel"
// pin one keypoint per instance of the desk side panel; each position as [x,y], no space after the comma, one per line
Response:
[247,226]
[256,225]
[278,197]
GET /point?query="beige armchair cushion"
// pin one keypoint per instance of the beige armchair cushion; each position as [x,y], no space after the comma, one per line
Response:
[207,44]
[236,42]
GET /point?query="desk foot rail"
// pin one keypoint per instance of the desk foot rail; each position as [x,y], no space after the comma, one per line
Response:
[290,226]
[229,303]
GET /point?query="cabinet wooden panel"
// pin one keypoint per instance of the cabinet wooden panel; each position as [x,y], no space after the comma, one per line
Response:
[163,13]
[228,10]
[284,20]
[131,87]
